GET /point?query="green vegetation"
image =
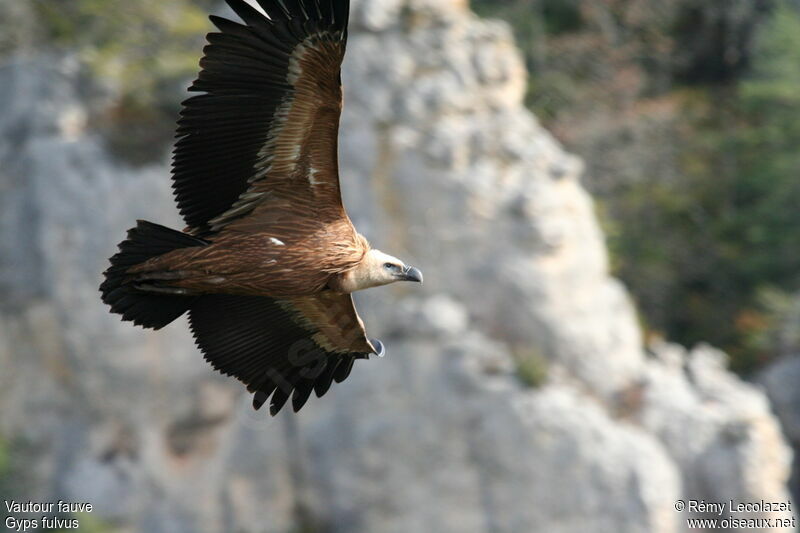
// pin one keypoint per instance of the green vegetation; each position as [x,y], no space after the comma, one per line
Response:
[12,481]
[141,45]
[7,475]
[531,367]
[688,113]
[12,454]
[5,461]
[144,52]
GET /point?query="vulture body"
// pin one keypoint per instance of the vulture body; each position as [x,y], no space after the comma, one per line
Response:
[269,259]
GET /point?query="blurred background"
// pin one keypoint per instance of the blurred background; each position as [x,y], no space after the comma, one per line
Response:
[602,195]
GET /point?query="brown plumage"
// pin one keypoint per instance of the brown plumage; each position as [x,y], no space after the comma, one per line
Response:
[269,259]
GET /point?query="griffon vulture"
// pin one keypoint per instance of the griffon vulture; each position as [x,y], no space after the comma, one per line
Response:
[269,259]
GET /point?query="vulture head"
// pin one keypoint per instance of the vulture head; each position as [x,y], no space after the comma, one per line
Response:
[376,269]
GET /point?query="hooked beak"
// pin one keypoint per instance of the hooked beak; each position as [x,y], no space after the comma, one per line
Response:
[412,274]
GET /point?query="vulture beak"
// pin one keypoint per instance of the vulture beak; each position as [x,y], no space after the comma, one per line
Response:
[380,349]
[412,274]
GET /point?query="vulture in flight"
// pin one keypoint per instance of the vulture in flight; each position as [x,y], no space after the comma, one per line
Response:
[269,259]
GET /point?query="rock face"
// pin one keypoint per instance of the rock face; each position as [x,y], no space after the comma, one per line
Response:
[780,381]
[442,164]
[720,431]
[467,182]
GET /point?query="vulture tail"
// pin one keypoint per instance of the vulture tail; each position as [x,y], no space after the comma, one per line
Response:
[148,309]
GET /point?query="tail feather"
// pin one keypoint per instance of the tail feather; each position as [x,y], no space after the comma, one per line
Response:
[146,309]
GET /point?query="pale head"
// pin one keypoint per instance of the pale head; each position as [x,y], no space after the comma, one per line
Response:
[374,270]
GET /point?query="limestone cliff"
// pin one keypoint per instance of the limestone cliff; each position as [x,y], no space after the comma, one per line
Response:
[442,164]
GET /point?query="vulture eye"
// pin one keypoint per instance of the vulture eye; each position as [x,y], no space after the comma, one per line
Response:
[391,266]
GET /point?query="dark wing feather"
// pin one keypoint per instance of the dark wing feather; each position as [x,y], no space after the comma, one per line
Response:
[283,348]
[269,116]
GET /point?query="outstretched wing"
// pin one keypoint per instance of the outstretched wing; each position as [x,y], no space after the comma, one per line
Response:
[266,127]
[282,348]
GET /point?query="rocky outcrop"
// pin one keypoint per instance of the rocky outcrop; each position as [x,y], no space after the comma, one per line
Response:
[780,380]
[721,432]
[442,164]
[468,182]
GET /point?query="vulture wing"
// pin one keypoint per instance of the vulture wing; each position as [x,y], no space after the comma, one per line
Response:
[258,148]
[265,128]
[282,348]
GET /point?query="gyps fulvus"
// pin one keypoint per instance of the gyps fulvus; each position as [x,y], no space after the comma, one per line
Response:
[269,259]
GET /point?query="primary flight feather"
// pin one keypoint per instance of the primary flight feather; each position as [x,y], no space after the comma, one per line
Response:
[270,258]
